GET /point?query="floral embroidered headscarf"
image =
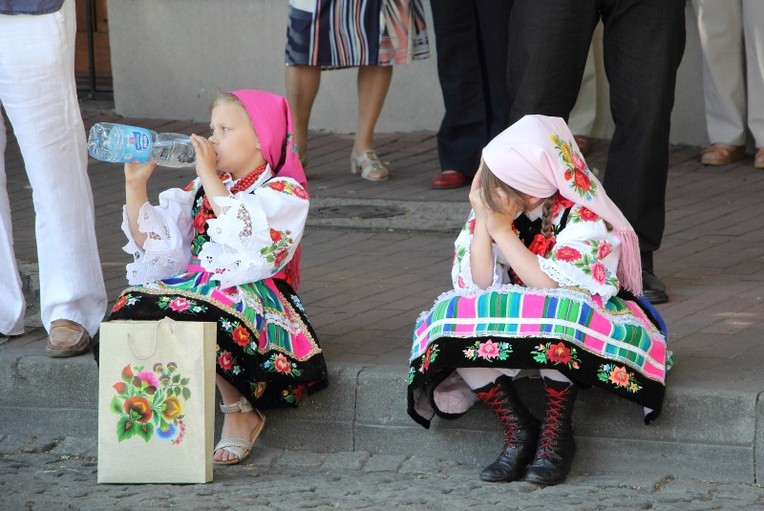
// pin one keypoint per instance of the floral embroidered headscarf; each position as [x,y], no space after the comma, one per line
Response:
[538,156]
[272,121]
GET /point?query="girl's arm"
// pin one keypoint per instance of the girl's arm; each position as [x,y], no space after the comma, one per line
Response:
[206,170]
[524,262]
[481,246]
[136,177]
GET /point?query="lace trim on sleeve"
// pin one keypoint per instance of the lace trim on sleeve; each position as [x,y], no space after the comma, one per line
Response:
[160,257]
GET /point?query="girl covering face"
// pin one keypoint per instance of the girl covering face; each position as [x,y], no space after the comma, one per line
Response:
[546,276]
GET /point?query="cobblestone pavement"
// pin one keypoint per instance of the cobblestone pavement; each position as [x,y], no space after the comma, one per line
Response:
[50,474]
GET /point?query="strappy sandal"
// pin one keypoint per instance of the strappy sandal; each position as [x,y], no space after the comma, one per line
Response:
[369,165]
[239,447]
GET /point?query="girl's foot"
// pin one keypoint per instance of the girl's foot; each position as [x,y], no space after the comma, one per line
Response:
[242,426]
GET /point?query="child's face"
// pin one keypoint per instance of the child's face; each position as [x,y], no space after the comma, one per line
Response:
[234,140]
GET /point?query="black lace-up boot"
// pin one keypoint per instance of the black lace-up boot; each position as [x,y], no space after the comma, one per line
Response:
[521,431]
[556,445]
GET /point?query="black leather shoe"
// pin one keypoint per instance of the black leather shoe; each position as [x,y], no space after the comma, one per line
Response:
[653,288]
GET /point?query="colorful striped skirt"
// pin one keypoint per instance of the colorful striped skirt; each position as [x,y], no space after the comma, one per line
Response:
[617,346]
[266,347]
[349,33]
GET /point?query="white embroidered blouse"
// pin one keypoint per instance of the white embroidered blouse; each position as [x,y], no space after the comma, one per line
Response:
[253,238]
[585,253]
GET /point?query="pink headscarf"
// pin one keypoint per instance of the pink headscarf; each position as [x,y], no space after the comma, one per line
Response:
[272,121]
[538,156]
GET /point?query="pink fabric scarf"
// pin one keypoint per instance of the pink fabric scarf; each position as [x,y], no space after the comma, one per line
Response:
[538,156]
[272,121]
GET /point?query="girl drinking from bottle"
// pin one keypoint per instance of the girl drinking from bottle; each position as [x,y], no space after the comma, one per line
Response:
[225,249]
[546,275]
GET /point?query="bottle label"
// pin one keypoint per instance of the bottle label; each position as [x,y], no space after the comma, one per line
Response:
[138,147]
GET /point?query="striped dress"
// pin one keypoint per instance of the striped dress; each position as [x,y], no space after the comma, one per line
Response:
[587,329]
[337,34]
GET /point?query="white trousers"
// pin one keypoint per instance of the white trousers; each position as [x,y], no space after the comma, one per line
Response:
[38,93]
[732,41]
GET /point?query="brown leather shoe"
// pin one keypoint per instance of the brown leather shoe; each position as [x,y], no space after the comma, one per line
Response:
[67,339]
[722,154]
[448,179]
[584,145]
[758,161]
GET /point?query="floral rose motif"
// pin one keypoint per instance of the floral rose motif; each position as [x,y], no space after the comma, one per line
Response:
[121,301]
[259,389]
[225,361]
[275,235]
[281,364]
[299,192]
[200,224]
[587,215]
[172,408]
[619,376]
[603,250]
[138,408]
[179,304]
[488,350]
[558,353]
[127,372]
[599,273]
[568,254]
[581,180]
[120,387]
[277,185]
[240,335]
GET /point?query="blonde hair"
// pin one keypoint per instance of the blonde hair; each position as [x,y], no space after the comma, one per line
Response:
[489,187]
[225,98]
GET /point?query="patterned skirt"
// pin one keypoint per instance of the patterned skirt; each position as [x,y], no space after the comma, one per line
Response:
[266,347]
[349,33]
[615,346]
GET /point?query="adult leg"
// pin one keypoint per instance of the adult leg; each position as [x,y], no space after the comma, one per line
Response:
[548,44]
[301,83]
[240,422]
[12,306]
[462,132]
[753,24]
[39,96]
[720,27]
[373,84]
[493,33]
[640,35]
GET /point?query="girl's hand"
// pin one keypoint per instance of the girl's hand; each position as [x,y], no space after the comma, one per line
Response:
[206,157]
[501,222]
[476,196]
[136,173]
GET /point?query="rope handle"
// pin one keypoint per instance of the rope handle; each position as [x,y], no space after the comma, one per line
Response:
[168,322]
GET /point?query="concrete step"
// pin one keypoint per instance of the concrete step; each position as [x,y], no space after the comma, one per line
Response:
[710,435]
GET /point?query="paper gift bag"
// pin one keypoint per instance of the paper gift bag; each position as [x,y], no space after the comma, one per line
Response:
[156,393]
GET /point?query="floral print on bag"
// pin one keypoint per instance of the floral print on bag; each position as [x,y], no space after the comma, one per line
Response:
[150,402]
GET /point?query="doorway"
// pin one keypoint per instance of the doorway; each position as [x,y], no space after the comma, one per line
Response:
[92,57]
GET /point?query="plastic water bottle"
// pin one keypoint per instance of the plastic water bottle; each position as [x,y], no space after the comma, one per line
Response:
[120,143]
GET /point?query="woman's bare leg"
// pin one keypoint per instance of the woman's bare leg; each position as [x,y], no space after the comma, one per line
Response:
[373,84]
[301,83]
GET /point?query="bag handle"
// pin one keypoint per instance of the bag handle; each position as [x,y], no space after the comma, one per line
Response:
[168,322]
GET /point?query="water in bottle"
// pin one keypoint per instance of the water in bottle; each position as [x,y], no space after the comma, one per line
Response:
[120,143]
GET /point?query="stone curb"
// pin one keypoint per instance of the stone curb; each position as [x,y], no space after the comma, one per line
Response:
[701,434]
